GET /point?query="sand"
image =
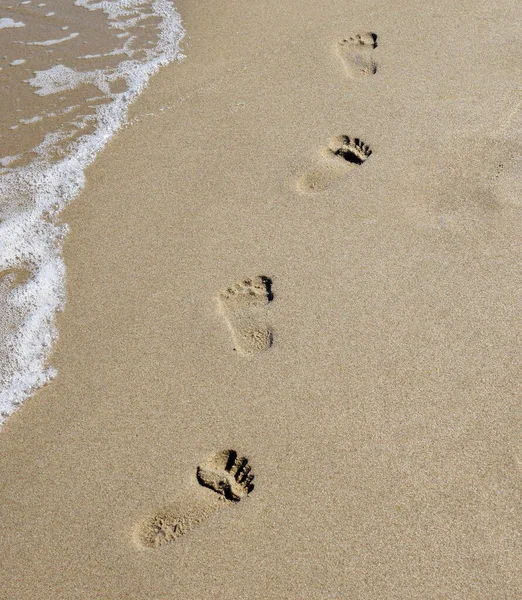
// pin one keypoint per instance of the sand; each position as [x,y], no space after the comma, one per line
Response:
[289,365]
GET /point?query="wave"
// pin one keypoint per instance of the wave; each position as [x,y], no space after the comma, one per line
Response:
[37,181]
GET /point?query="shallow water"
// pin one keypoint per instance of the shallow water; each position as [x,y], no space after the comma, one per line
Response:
[69,72]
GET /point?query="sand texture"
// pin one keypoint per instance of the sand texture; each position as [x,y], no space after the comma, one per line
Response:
[300,261]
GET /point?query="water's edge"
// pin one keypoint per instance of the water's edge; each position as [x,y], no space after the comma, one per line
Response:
[32,270]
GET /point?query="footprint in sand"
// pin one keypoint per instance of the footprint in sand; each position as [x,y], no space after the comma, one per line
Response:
[342,154]
[355,52]
[243,307]
[229,479]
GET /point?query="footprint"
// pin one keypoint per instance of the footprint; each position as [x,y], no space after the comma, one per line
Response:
[355,54]
[230,478]
[243,307]
[342,153]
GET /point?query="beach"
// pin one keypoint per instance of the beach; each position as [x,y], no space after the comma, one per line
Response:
[288,363]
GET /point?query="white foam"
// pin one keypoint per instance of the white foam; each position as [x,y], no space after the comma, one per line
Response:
[32,272]
[53,42]
[61,78]
[7,160]
[9,23]
[34,119]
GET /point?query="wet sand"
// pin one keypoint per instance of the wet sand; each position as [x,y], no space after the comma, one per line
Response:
[305,249]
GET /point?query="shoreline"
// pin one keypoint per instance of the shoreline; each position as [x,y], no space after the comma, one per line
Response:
[44,176]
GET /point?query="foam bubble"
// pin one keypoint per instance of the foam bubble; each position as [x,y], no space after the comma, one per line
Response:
[9,23]
[53,42]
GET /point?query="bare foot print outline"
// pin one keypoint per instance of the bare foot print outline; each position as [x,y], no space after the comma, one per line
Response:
[355,53]
[243,306]
[339,157]
[230,479]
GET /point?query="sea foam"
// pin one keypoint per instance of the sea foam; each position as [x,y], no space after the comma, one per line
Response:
[37,181]
[8,23]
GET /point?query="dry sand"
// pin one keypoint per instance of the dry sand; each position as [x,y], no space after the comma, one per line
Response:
[372,183]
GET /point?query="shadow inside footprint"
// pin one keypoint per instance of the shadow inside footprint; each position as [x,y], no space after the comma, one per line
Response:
[362,40]
[268,286]
[228,475]
[352,150]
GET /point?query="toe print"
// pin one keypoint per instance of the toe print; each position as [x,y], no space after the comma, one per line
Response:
[352,150]
[228,475]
